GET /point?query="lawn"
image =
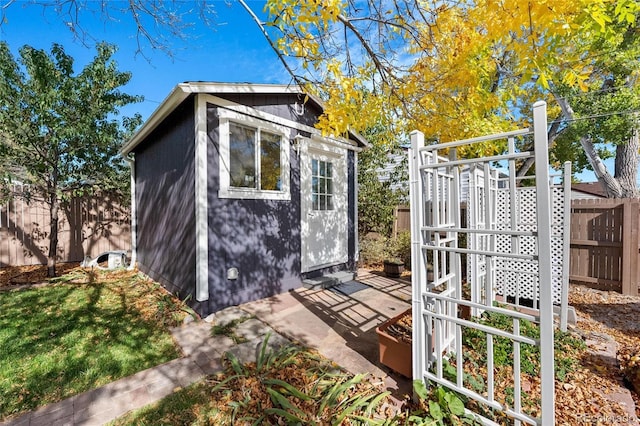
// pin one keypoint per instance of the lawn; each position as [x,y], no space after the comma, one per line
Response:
[82,330]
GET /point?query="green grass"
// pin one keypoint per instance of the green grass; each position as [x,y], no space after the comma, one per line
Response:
[66,338]
[188,406]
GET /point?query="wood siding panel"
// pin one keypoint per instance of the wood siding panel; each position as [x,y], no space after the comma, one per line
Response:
[401,220]
[281,105]
[165,194]
[259,237]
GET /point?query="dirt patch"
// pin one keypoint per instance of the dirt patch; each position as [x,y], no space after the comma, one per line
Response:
[31,274]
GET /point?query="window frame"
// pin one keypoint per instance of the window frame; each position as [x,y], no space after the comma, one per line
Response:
[226,190]
[322,191]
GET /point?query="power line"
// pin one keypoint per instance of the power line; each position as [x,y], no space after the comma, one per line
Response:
[589,117]
[589,93]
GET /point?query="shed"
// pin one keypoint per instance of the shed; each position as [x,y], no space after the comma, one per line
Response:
[587,191]
[237,197]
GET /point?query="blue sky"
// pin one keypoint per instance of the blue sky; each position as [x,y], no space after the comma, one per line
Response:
[234,50]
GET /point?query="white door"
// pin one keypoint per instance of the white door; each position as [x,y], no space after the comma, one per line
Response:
[323,176]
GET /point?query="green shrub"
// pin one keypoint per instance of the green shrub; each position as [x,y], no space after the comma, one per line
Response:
[403,247]
[373,249]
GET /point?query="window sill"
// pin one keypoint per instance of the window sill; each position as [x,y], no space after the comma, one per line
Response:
[249,194]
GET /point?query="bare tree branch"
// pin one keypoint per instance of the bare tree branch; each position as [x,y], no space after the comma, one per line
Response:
[157,24]
[293,75]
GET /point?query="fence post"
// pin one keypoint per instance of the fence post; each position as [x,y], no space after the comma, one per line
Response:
[630,247]
[543,213]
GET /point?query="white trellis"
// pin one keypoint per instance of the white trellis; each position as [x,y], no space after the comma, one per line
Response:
[510,206]
[498,240]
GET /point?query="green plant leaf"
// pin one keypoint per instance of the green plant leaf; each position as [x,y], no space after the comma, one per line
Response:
[291,418]
[223,383]
[420,389]
[283,402]
[375,402]
[236,365]
[263,356]
[289,388]
[435,410]
[455,404]
[339,389]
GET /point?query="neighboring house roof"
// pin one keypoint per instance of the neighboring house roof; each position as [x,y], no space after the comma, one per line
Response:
[184,90]
[591,188]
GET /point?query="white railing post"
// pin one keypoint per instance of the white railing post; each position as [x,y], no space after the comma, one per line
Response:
[543,213]
[566,241]
[418,267]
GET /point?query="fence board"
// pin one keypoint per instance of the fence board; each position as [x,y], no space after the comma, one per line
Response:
[401,220]
[605,243]
[88,226]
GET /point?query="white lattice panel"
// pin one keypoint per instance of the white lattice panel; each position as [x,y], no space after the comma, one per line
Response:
[515,279]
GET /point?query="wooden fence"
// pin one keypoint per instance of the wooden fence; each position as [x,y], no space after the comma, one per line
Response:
[401,220]
[88,226]
[605,244]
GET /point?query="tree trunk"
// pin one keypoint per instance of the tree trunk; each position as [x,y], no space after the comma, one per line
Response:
[608,182]
[626,167]
[54,207]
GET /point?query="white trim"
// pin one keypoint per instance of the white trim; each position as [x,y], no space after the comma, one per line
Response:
[247,110]
[170,103]
[356,236]
[338,142]
[201,207]
[183,90]
[226,190]
[134,218]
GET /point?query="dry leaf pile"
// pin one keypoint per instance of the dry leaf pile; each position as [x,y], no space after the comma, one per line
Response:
[608,318]
[294,386]
[30,274]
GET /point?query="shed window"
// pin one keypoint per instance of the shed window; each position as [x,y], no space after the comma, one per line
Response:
[322,185]
[254,158]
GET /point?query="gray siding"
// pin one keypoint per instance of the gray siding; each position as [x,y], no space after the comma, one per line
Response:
[165,196]
[279,105]
[259,237]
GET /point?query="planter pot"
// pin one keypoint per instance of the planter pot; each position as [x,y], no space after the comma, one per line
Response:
[394,353]
[393,269]
[464,312]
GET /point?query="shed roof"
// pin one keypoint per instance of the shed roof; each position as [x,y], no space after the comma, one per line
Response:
[184,90]
[593,188]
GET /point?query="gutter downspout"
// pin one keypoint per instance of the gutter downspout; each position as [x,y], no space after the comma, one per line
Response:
[134,216]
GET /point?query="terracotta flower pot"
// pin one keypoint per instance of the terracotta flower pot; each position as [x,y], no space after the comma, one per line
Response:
[395,353]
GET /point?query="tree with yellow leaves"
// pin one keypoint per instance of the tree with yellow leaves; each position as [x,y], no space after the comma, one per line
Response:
[457,69]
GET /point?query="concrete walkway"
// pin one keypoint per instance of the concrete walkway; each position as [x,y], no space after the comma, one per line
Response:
[339,322]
